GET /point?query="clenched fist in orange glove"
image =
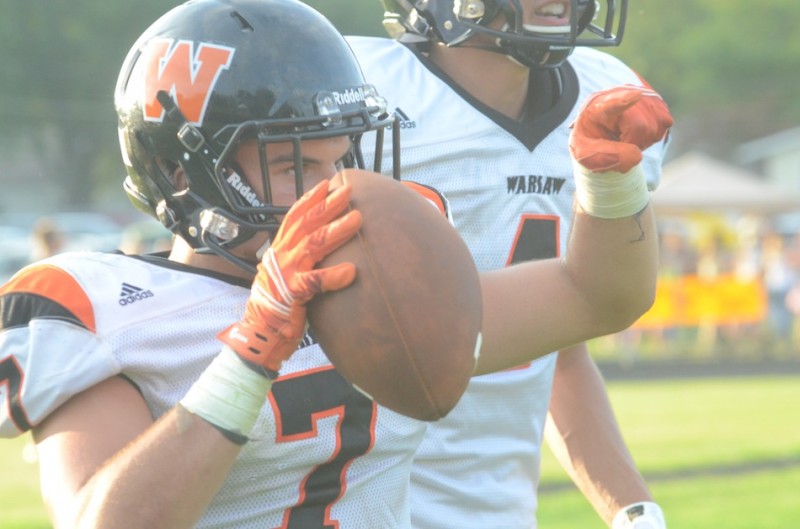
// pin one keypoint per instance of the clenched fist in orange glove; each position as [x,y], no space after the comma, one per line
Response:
[613,127]
[275,314]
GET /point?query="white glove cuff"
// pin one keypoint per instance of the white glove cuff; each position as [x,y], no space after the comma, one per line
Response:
[642,515]
[611,195]
[228,394]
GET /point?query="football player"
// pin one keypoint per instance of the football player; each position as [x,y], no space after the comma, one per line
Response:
[180,390]
[485,91]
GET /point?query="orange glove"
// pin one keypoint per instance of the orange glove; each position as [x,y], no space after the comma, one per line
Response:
[275,314]
[614,127]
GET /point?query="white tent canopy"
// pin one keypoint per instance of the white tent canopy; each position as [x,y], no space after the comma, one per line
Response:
[696,182]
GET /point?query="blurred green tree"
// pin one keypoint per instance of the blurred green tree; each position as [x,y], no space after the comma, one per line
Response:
[60,62]
[728,68]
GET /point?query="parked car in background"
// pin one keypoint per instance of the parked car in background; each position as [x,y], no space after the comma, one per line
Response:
[145,236]
[87,231]
[15,250]
[22,236]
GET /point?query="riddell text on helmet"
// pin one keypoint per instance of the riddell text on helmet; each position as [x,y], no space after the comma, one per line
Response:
[244,190]
[349,96]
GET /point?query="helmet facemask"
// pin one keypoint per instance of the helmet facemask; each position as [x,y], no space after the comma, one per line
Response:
[220,228]
[246,214]
[454,22]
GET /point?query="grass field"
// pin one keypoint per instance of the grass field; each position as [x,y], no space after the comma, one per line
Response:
[716,452]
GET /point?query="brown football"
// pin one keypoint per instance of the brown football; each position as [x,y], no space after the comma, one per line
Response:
[405,332]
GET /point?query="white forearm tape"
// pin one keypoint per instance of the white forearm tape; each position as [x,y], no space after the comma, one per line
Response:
[228,394]
[641,515]
[611,195]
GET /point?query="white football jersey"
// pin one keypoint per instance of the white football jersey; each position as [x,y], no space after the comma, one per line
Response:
[323,455]
[510,190]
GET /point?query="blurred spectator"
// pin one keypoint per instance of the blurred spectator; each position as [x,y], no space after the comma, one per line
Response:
[46,239]
[778,280]
[677,257]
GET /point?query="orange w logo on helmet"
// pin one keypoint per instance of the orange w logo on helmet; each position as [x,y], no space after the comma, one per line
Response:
[188,75]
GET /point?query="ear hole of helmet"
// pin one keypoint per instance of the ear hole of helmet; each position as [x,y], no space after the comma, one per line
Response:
[169,170]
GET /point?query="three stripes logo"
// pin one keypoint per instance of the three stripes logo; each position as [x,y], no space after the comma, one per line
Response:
[131,294]
[405,121]
[308,340]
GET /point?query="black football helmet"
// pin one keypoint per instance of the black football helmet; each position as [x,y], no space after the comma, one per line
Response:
[211,74]
[453,22]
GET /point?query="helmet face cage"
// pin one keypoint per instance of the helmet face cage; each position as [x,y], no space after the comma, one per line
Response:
[259,86]
[245,212]
[592,23]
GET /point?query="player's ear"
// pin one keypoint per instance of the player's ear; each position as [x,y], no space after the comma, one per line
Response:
[179,179]
[173,172]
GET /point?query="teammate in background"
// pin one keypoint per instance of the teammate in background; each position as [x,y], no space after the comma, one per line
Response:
[199,401]
[485,92]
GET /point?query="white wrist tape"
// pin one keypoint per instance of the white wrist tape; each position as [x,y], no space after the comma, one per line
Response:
[611,195]
[641,515]
[228,394]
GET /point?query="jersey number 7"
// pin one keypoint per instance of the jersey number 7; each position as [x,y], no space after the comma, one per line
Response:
[11,378]
[299,402]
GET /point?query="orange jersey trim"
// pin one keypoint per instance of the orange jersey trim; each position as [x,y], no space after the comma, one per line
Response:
[55,284]
[428,193]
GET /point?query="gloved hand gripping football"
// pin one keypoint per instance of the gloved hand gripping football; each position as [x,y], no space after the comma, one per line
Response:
[613,127]
[275,315]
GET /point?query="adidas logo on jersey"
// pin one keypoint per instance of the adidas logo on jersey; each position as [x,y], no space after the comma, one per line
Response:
[132,294]
[405,121]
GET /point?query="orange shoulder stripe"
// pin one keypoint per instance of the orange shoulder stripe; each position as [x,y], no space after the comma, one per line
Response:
[54,284]
[428,193]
